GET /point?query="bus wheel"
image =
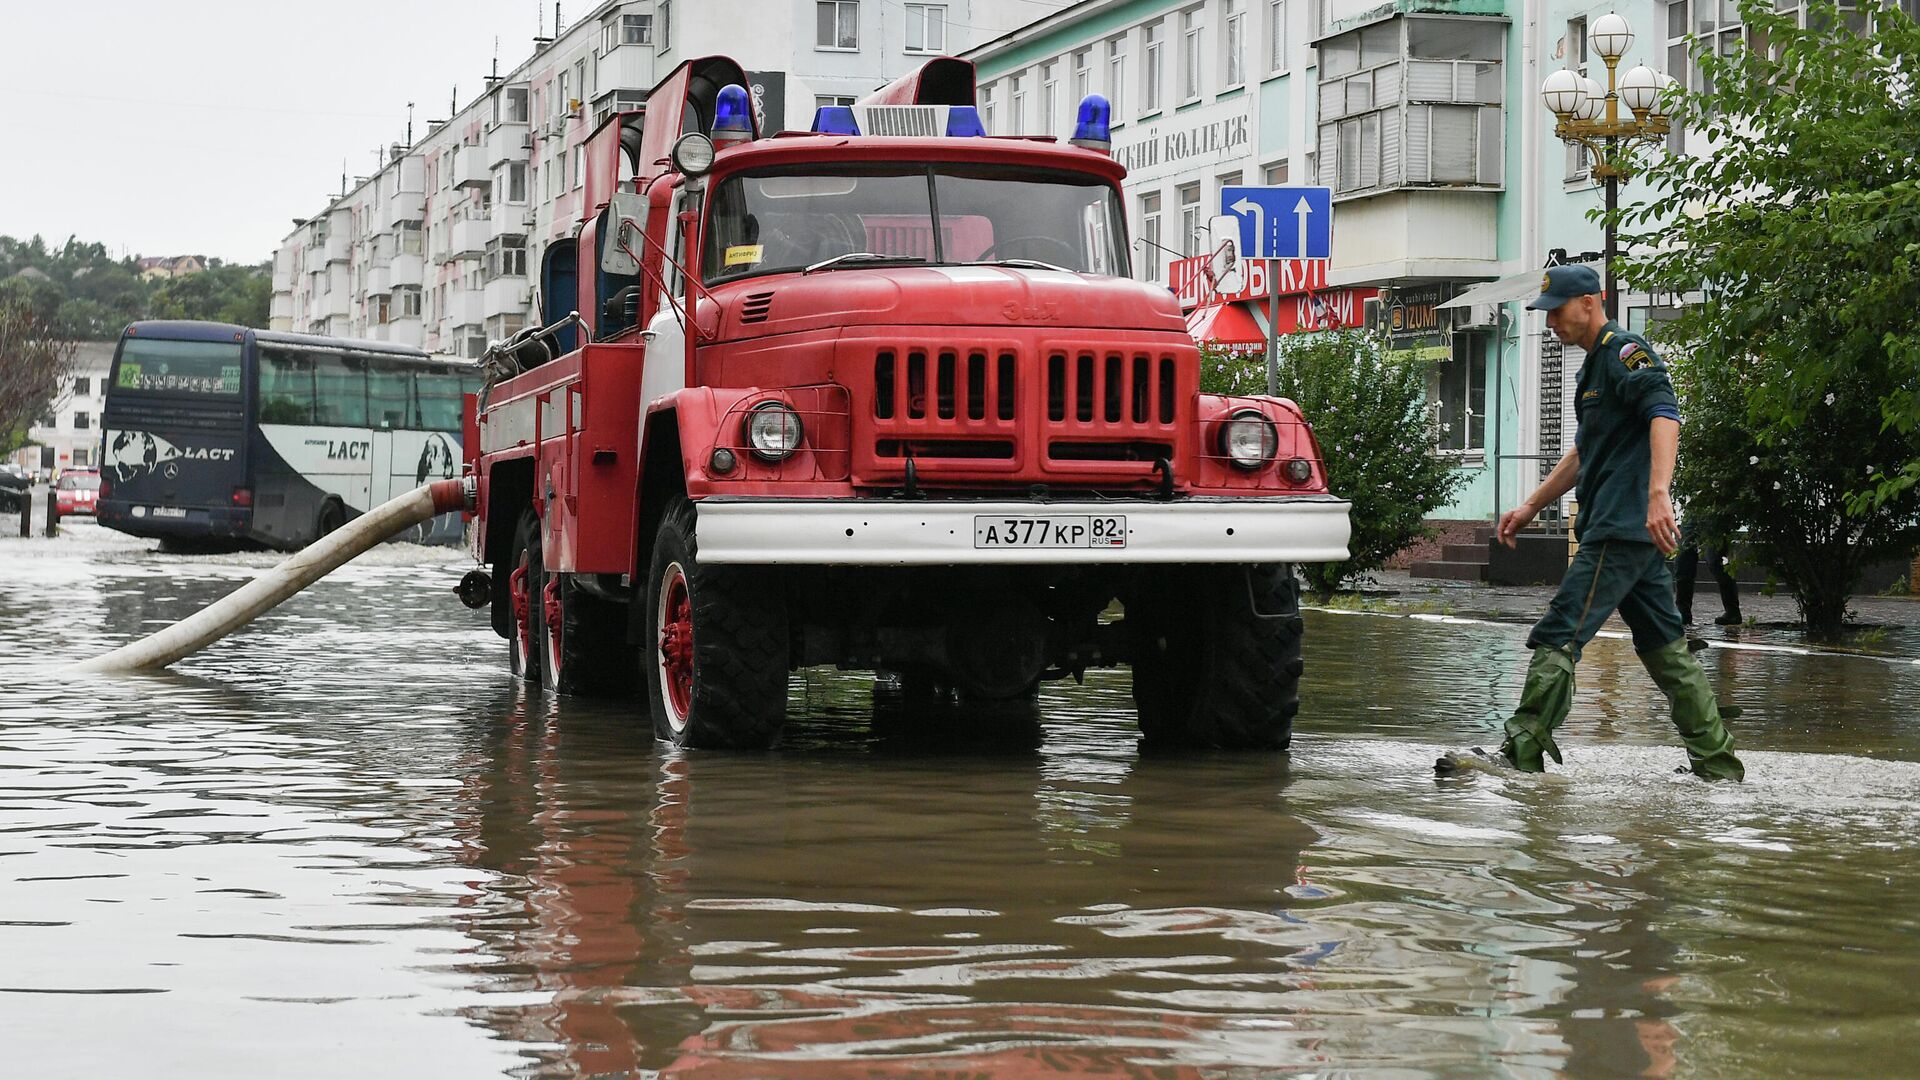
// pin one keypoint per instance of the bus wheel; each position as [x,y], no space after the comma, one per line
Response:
[1216,657]
[523,587]
[332,515]
[586,650]
[716,656]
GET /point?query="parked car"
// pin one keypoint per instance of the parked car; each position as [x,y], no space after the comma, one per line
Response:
[76,490]
[16,488]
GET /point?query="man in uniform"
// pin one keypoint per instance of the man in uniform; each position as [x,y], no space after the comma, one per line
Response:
[1622,461]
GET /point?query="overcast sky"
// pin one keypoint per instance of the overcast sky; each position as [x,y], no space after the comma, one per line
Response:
[174,127]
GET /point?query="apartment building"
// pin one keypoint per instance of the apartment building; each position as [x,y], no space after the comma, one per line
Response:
[441,248]
[68,436]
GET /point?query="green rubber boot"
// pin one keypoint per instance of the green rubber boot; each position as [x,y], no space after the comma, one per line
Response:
[1695,713]
[1544,703]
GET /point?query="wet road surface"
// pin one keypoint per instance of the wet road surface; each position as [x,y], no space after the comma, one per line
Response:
[344,843]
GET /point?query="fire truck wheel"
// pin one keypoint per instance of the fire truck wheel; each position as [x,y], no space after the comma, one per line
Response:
[716,659]
[1217,658]
[585,639]
[523,589]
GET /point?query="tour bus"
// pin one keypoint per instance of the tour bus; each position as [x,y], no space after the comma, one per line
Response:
[221,435]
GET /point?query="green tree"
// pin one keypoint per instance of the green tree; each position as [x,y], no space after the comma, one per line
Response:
[234,294]
[36,356]
[1799,229]
[1369,411]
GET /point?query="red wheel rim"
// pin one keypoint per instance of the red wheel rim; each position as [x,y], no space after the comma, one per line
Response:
[522,615]
[550,609]
[676,646]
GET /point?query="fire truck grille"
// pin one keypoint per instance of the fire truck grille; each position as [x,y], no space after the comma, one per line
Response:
[997,414]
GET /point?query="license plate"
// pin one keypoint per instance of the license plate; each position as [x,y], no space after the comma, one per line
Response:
[169,512]
[1051,531]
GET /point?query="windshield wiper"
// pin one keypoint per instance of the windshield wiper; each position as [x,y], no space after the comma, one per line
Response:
[861,256]
[1022,264]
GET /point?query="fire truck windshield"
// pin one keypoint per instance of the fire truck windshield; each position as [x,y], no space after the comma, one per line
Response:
[787,220]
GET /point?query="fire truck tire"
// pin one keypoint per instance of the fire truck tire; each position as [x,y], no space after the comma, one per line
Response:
[584,641]
[716,656]
[1217,658]
[524,581]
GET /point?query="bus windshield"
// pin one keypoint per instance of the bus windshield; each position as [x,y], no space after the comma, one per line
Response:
[905,213]
[210,368]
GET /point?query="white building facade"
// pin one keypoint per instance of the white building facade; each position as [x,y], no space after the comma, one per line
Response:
[68,436]
[441,248]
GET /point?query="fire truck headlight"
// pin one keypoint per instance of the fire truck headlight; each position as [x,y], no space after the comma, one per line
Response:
[693,154]
[1299,470]
[773,431]
[1248,439]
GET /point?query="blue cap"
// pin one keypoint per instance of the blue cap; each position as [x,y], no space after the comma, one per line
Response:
[1562,284]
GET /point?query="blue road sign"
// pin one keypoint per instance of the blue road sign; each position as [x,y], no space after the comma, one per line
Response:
[1282,222]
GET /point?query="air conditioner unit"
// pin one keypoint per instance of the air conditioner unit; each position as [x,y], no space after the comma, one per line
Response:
[1474,316]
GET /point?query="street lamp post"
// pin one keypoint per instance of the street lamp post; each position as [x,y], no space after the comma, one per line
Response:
[1589,115]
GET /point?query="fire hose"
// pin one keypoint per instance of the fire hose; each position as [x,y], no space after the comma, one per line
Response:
[294,573]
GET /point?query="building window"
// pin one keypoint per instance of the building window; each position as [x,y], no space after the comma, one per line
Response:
[506,257]
[502,327]
[1117,76]
[516,186]
[1016,105]
[1190,55]
[473,340]
[666,25]
[1276,173]
[1277,35]
[82,387]
[987,110]
[410,237]
[1082,64]
[406,301]
[81,421]
[1575,60]
[1150,89]
[630,30]
[1718,26]
[382,310]
[1150,234]
[579,166]
[1235,43]
[560,98]
[1189,218]
[1049,97]
[82,457]
[1459,384]
[837,25]
[515,100]
[926,28]
[827,101]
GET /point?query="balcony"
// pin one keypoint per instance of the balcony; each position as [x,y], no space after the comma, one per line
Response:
[405,269]
[470,168]
[404,332]
[506,296]
[511,219]
[465,308]
[468,238]
[406,206]
[506,142]
[338,302]
[379,280]
[1405,234]
[335,249]
[282,306]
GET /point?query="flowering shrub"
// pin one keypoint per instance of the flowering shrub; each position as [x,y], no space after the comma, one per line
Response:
[1369,409]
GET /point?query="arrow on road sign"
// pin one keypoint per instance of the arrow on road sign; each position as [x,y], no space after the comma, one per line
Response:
[1244,207]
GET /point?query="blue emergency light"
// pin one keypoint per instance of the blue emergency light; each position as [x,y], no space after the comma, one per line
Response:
[963,121]
[1093,128]
[732,115]
[835,120]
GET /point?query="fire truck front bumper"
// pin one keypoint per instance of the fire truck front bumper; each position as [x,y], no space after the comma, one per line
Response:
[846,532]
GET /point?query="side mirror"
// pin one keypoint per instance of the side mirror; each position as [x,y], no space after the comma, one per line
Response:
[1223,253]
[626,222]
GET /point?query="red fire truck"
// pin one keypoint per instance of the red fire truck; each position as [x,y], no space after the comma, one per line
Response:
[881,395]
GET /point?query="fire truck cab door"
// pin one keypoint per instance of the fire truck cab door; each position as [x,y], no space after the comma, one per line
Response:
[665,367]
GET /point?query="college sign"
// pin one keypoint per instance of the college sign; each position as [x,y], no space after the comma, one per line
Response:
[1219,134]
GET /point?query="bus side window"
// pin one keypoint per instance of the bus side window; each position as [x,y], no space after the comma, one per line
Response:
[387,393]
[340,391]
[439,400]
[286,387]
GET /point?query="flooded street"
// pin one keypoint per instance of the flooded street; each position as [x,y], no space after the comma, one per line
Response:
[345,843]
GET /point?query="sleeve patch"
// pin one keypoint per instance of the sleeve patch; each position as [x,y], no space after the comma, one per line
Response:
[1635,357]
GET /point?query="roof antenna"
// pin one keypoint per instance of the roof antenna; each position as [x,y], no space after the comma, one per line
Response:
[453,103]
[496,56]
[409,125]
[556,18]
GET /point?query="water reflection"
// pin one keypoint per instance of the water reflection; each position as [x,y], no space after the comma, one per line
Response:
[348,820]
